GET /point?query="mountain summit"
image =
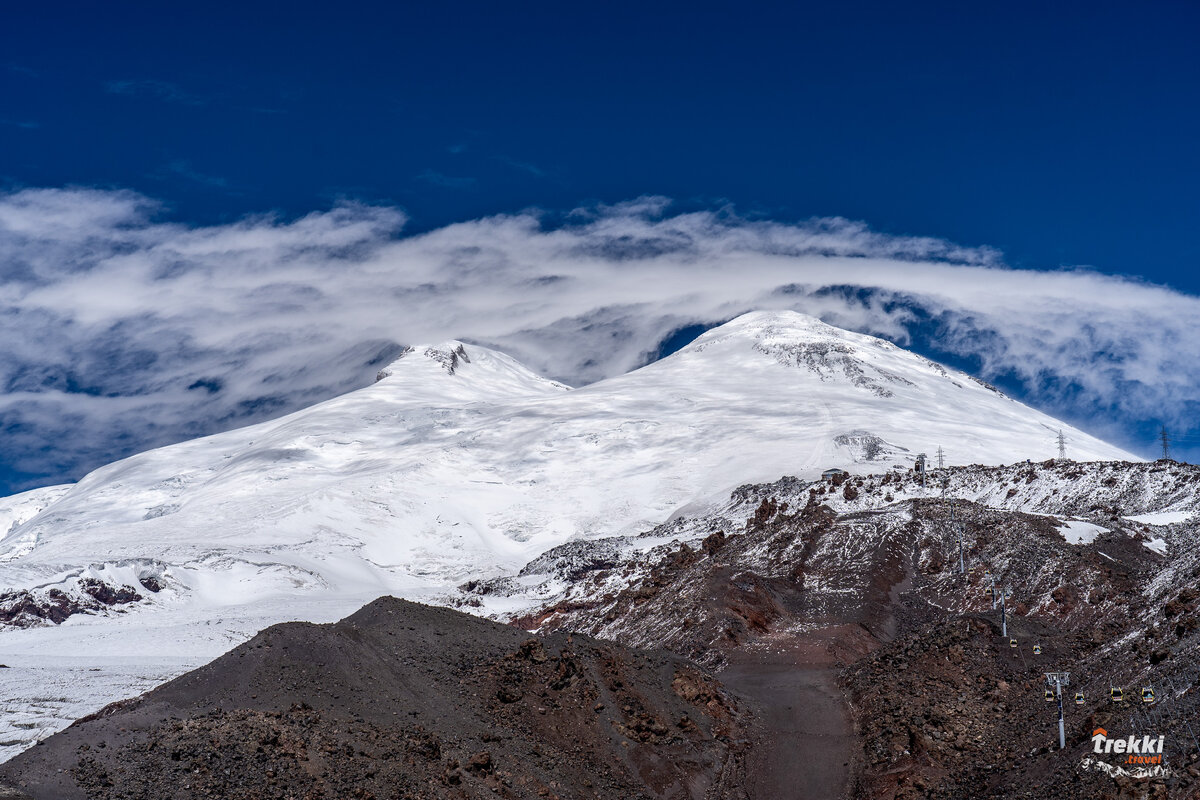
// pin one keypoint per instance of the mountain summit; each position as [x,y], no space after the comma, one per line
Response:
[459,461]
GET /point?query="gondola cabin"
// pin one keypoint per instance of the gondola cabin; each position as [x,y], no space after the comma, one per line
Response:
[1117,695]
[1147,695]
[1012,642]
[1037,649]
[1049,696]
[1079,698]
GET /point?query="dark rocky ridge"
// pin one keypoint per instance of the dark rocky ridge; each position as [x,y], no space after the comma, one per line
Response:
[942,707]
[402,700]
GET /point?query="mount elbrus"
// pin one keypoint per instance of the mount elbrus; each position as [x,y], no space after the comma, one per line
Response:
[651,509]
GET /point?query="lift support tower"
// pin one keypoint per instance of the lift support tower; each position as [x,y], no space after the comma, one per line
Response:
[1058,680]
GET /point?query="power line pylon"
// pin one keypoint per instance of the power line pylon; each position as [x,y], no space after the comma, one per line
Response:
[941,457]
[1062,446]
[1166,442]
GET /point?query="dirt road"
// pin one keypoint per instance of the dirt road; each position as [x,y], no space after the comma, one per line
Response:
[806,742]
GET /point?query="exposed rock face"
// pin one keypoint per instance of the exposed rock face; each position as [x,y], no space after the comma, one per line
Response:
[829,359]
[406,701]
[447,357]
[26,608]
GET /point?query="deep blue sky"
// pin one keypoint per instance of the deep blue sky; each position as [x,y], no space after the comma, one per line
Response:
[1062,133]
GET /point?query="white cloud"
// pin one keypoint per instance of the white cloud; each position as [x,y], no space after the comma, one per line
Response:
[109,316]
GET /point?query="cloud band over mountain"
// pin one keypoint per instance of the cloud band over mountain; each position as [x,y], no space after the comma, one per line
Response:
[122,332]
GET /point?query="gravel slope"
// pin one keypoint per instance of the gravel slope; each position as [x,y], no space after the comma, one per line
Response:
[402,700]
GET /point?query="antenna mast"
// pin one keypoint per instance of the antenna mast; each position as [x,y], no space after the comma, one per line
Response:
[1166,442]
[1062,446]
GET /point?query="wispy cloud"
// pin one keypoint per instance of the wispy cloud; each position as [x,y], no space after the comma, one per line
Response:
[123,333]
[161,90]
[184,169]
[445,181]
[23,124]
[523,166]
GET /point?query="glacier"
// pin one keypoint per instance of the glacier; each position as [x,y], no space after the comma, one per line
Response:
[457,464]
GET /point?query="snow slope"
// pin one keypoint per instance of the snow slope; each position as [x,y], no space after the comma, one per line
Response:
[460,463]
[18,509]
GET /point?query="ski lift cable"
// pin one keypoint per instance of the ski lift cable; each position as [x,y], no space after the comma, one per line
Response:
[1185,716]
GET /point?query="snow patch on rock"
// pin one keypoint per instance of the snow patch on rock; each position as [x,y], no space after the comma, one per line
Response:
[1077,531]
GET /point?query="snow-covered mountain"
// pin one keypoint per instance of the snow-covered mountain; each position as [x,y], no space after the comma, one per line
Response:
[458,463]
